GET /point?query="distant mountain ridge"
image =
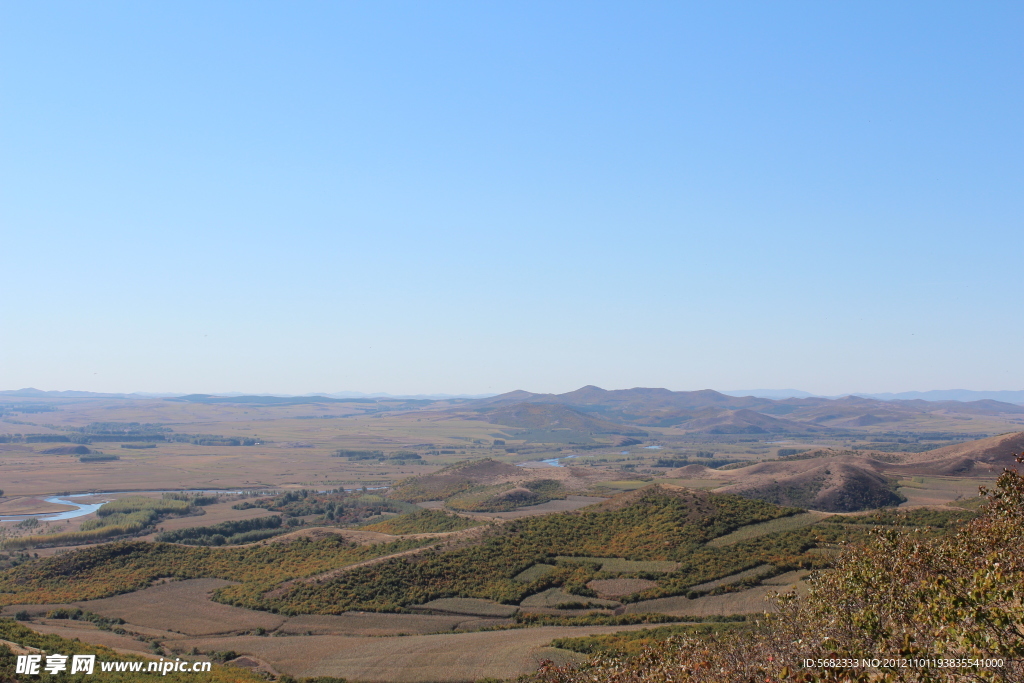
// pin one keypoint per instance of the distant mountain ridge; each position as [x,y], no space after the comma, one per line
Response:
[952,395]
[550,416]
[714,412]
[582,395]
[223,397]
[964,395]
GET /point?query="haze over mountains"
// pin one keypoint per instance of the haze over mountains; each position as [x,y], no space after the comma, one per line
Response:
[964,395]
[934,395]
[717,413]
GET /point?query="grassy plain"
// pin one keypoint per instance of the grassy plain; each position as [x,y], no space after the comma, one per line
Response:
[934,490]
[470,606]
[411,659]
[614,588]
[536,570]
[750,601]
[791,523]
[185,607]
[15,637]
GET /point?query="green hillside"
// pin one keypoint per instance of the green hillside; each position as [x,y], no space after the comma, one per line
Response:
[422,522]
[653,524]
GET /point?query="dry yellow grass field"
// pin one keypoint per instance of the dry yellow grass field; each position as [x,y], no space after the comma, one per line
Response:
[215,514]
[469,606]
[88,633]
[183,606]
[750,531]
[552,597]
[616,588]
[297,453]
[378,624]
[760,570]
[751,601]
[24,505]
[934,490]
[410,659]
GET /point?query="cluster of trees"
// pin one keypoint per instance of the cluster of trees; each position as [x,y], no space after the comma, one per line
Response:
[505,497]
[96,456]
[214,440]
[28,408]
[133,432]
[45,438]
[226,533]
[122,428]
[71,537]
[433,487]
[78,614]
[139,503]
[683,462]
[422,522]
[352,454]
[339,506]
[193,499]
[356,455]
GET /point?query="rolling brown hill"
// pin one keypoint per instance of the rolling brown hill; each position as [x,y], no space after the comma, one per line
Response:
[845,481]
[635,401]
[982,407]
[548,416]
[837,484]
[743,421]
[657,407]
[989,455]
[454,479]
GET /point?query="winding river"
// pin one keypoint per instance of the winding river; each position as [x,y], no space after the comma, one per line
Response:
[82,509]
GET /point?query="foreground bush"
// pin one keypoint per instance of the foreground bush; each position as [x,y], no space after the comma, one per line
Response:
[902,596]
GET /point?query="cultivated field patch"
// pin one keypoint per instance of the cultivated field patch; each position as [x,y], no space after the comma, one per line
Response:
[751,601]
[755,572]
[373,624]
[930,490]
[617,565]
[568,505]
[787,579]
[616,588]
[93,636]
[791,523]
[469,606]
[26,505]
[623,485]
[706,484]
[412,659]
[215,514]
[555,597]
[182,606]
[537,571]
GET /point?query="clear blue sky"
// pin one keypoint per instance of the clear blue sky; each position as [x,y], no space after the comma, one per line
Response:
[474,197]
